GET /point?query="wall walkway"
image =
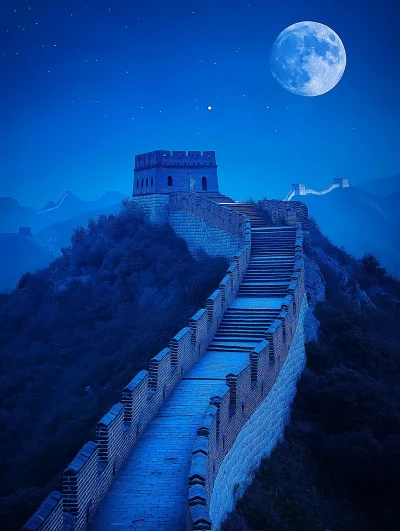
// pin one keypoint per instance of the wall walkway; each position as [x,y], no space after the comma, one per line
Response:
[162,458]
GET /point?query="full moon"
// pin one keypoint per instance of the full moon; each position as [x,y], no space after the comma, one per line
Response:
[308,59]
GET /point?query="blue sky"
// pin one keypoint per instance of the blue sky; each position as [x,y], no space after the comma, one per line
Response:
[87,85]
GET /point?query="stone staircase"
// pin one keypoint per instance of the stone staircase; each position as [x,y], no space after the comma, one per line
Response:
[151,491]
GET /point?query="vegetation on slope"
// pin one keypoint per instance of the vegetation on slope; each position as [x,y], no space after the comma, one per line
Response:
[338,468]
[73,335]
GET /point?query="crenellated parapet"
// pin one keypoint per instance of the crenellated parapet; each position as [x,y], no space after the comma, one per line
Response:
[88,478]
[176,171]
[216,399]
[202,223]
[237,402]
[286,212]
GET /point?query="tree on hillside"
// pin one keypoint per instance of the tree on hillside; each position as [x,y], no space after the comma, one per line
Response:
[371,266]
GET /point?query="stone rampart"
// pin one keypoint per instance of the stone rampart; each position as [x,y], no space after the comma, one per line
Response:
[260,434]
[252,405]
[202,223]
[300,188]
[87,479]
[286,212]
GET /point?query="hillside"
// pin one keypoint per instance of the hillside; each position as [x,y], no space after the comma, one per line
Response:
[13,215]
[58,234]
[338,467]
[51,231]
[382,187]
[72,335]
[361,223]
[73,206]
[19,255]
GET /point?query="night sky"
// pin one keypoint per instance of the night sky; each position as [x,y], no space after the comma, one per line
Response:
[86,85]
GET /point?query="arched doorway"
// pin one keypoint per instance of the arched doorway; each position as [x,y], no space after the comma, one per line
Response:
[169,180]
[204,184]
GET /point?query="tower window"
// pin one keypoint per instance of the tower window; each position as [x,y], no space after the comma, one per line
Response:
[204,184]
[152,180]
[147,181]
[169,180]
[142,183]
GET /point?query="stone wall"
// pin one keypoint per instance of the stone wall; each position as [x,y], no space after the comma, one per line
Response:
[155,207]
[206,225]
[202,223]
[180,171]
[286,212]
[260,433]
[87,479]
[301,189]
[255,399]
[252,405]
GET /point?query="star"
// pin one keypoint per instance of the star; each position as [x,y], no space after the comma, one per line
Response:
[209,108]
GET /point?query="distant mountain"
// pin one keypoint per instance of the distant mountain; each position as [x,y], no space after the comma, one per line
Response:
[13,215]
[382,187]
[360,222]
[21,254]
[51,230]
[70,206]
[58,234]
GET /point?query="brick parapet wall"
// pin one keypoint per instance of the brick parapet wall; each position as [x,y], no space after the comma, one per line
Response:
[201,222]
[260,434]
[239,399]
[286,212]
[88,478]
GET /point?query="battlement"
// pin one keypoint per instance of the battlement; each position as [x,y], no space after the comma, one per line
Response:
[250,402]
[89,476]
[342,182]
[175,171]
[162,158]
[299,188]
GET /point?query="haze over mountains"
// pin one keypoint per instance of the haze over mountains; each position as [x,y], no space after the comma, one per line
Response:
[13,215]
[363,218]
[51,229]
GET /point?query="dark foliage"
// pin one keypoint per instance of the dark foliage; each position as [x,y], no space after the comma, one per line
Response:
[338,468]
[72,335]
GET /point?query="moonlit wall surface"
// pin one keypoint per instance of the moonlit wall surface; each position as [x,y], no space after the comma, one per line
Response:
[84,89]
[264,429]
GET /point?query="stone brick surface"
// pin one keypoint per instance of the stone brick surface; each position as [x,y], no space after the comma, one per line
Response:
[170,454]
[261,432]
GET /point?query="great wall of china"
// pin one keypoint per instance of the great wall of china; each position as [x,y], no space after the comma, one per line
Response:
[181,445]
[300,189]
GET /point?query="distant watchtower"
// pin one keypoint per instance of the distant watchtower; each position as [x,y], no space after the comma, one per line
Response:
[163,172]
[342,182]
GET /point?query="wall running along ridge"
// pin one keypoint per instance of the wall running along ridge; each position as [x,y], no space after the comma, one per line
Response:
[252,406]
[204,224]
[250,402]
[260,433]
[87,479]
[286,212]
[300,188]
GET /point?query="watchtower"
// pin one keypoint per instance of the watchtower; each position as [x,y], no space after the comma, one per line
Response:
[342,182]
[299,188]
[163,172]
